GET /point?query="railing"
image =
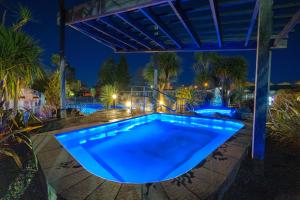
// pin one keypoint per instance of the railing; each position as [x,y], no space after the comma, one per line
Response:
[170,101]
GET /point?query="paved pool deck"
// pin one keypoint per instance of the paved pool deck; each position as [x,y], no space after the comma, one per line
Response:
[209,180]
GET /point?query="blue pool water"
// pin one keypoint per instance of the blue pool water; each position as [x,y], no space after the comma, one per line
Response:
[87,109]
[211,111]
[147,149]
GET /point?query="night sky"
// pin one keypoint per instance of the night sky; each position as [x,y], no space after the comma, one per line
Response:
[86,55]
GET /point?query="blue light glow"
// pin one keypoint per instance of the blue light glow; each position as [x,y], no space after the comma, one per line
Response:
[88,109]
[214,110]
[149,148]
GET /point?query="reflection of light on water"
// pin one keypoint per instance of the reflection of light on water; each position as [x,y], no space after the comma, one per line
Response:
[61,136]
[82,141]
[82,131]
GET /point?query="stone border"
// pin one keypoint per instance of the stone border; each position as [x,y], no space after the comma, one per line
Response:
[209,180]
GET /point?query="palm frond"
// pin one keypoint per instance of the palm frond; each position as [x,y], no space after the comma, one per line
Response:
[12,154]
[24,15]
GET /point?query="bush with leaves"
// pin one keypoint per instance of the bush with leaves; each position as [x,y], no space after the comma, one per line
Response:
[284,118]
[52,92]
[14,131]
[107,91]
[185,96]
[19,56]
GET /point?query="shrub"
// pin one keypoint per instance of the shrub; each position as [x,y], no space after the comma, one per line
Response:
[107,91]
[185,97]
[284,118]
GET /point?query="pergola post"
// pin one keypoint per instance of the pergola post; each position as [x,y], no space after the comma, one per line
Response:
[62,60]
[155,88]
[262,78]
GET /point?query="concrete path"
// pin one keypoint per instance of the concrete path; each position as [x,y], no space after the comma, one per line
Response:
[208,180]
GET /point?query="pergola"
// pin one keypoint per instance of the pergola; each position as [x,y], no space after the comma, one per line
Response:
[139,26]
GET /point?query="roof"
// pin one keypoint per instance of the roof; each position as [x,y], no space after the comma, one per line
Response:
[186,25]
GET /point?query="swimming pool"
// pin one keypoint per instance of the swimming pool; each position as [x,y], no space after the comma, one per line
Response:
[146,149]
[87,109]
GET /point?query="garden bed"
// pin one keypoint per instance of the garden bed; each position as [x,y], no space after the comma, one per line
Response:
[26,183]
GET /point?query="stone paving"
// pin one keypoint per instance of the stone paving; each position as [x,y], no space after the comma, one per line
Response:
[208,180]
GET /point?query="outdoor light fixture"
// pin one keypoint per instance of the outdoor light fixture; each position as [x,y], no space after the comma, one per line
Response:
[128,104]
[206,84]
[114,96]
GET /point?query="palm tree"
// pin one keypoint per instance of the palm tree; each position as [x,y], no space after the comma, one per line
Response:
[168,65]
[230,74]
[203,68]
[19,57]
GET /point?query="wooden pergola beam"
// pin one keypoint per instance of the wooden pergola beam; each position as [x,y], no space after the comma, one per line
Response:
[142,30]
[288,28]
[111,36]
[185,23]
[94,9]
[100,40]
[252,23]
[212,47]
[161,26]
[216,21]
[111,25]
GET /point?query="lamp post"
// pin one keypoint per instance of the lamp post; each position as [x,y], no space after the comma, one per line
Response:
[114,97]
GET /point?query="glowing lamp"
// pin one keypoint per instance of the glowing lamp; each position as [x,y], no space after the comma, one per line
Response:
[114,96]
[128,104]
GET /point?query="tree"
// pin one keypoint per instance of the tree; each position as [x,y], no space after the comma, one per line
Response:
[138,77]
[93,92]
[122,73]
[203,68]
[19,57]
[111,73]
[230,74]
[69,70]
[107,72]
[52,92]
[40,84]
[168,65]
